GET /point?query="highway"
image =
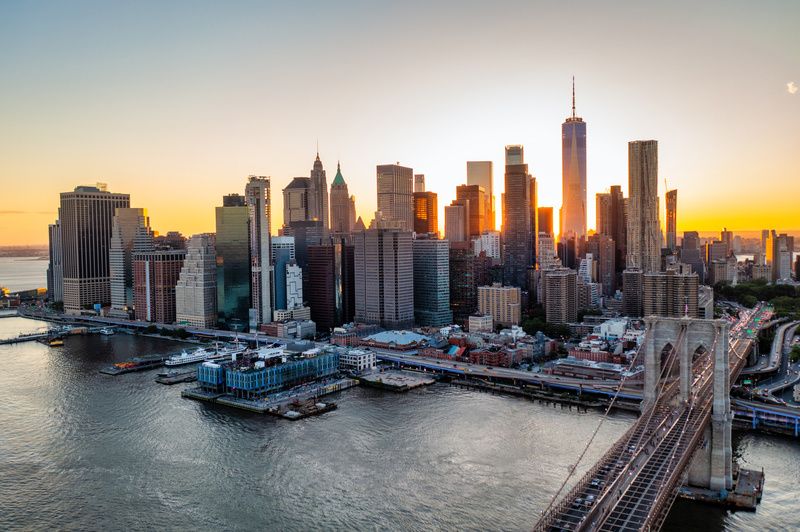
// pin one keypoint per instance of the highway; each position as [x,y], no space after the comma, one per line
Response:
[770,363]
[479,371]
[786,375]
[605,387]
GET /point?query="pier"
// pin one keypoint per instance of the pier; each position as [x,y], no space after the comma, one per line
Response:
[396,381]
[295,403]
[51,334]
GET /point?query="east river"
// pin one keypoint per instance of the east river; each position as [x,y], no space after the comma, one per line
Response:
[84,451]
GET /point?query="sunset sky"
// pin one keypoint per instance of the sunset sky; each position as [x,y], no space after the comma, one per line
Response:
[177,102]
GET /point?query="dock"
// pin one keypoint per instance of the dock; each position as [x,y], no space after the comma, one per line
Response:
[565,400]
[56,333]
[293,404]
[135,364]
[395,380]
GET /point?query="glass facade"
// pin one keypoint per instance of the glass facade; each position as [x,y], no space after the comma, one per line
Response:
[255,382]
[233,267]
[573,165]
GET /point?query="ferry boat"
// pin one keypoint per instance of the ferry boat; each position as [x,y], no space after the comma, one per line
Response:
[107,331]
[55,342]
[198,355]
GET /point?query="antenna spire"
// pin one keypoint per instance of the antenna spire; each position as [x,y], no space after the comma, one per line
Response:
[573,96]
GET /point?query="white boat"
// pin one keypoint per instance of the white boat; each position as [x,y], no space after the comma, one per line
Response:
[107,331]
[198,355]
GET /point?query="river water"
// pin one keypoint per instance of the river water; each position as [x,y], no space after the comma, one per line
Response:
[85,451]
[23,273]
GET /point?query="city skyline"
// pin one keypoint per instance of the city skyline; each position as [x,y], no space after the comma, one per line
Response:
[155,119]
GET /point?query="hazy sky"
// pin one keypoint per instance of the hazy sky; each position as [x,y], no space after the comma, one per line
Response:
[177,102]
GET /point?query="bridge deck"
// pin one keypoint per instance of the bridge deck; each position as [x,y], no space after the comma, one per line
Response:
[634,484]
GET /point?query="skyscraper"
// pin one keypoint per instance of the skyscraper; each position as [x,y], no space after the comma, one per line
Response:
[727,237]
[432,282]
[611,223]
[480,173]
[343,213]
[603,212]
[318,195]
[672,220]
[419,182]
[296,201]
[130,234]
[619,229]
[86,219]
[692,255]
[384,278]
[544,220]
[561,295]
[502,303]
[395,194]
[573,176]
[632,292]
[517,230]
[196,290]
[155,276]
[601,248]
[283,254]
[644,230]
[426,213]
[456,221]
[463,288]
[55,269]
[533,210]
[331,280]
[546,252]
[233,263]
[476,196]
[294,286]
[670,293]
[779,255]
[258,205]
[488,243]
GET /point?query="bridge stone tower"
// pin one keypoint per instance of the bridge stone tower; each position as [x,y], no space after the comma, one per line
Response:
[712,467]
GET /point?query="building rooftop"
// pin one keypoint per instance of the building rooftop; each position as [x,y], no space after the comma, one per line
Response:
[339,179]
[397,337]
[299,182]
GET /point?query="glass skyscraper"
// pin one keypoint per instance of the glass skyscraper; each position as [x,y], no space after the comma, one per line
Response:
[233,263]
[573,176]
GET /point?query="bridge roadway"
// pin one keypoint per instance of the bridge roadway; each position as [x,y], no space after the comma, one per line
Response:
[634,484]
